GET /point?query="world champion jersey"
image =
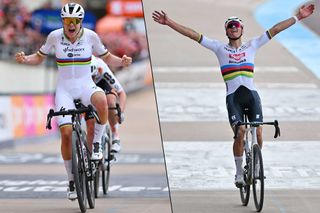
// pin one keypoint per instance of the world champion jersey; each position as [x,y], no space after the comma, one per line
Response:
[236,64]
[73,59]
[105,74]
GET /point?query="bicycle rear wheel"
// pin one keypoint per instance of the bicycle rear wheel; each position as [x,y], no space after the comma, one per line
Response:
[245,189]
[258,178]
[78,172]
[106,162]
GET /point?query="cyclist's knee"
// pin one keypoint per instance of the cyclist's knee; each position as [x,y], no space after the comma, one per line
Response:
[66,133]
[241,131]
[112,99]
[259,134]
[101,106]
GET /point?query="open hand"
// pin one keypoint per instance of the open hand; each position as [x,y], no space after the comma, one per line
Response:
[305,11]
[161,18]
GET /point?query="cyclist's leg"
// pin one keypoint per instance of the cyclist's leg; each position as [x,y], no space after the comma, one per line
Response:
[90,132]
[64,100]
[255,114]
[95,96]
[114,121]
[235,115]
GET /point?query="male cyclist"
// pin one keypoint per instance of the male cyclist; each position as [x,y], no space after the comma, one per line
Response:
[105,79]
[74,46]
[236,61]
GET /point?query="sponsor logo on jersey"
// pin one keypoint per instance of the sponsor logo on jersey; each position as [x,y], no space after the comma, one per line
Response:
[229,49]
[68,49]
[237,62]
[237,56]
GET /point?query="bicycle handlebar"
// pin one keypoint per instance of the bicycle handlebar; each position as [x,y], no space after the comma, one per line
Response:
[71,112]
[275,123]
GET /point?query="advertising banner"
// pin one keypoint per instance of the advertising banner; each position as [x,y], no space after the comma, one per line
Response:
[5,119]
[25,116]
[48,20]
[128,8]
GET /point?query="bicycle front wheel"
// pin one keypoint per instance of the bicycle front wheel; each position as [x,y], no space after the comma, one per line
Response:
[89,175]
[258,178]
[245,189]
[78,172]
[97,180]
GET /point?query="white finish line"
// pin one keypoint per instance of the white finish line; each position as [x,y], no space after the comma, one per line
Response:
[208,104]
[173,85]
[61,186]
[205,69]
[210,165]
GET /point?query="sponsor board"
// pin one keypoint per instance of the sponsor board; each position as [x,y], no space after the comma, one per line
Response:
[5,119]
[24,116]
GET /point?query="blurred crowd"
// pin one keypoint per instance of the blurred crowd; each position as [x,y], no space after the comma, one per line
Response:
[17,34]
[16,31]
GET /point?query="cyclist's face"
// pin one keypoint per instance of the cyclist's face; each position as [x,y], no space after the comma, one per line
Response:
[234,30]
[71,26]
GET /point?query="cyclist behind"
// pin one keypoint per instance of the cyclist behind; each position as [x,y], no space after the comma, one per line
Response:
[236,61]
[73,47]
[105,79]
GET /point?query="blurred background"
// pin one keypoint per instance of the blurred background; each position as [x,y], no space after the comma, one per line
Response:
[26,92]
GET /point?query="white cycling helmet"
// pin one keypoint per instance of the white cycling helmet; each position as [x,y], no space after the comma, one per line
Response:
[233,18]
[94,66]
[72,10]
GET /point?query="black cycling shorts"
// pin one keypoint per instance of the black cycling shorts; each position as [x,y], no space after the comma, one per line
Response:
[244,102]
[105,86]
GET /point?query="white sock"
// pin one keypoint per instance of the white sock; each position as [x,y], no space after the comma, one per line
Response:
[68,166]
[98,132]
[238,161]
[115,134]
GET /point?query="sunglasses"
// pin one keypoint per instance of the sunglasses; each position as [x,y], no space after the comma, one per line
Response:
[233,24]
[71,20]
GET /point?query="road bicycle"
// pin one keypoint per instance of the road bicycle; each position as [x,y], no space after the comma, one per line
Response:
[104,165]
[253,173]
[83,168]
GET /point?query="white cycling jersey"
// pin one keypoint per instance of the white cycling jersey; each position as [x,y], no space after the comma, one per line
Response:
[74,71]
[107,75]
[236,64]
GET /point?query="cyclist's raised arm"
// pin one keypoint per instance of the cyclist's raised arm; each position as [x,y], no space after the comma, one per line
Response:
[303,12]
[113,60]
[162,18]
[33,59]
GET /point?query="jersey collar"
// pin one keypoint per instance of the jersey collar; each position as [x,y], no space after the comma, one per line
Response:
[80,34]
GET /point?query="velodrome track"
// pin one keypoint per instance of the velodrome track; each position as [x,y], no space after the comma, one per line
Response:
[191,101]
[33,178]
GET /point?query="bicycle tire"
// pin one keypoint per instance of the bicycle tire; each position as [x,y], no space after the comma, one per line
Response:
[245,190]
[78,172]
[97,181]
[89,177]
[258,178]
[108,156]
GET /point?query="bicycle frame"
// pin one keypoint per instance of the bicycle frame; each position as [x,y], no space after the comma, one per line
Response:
[80,160]
[253,170]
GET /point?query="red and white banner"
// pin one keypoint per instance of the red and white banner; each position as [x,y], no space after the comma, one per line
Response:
[129,8]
